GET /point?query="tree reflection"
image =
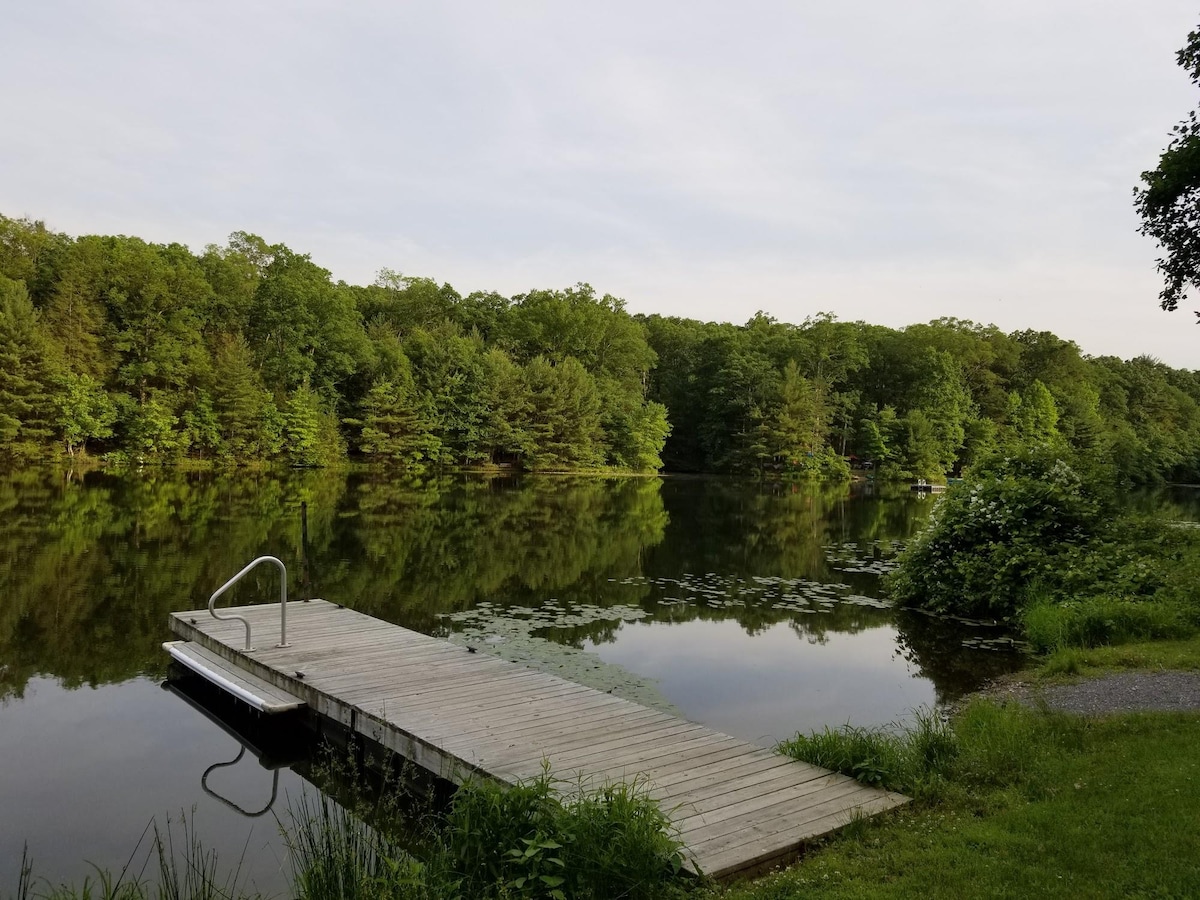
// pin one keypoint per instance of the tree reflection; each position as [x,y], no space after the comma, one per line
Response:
[935,646]
[92,564]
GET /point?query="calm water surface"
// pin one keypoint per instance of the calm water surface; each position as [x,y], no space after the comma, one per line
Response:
[751,608]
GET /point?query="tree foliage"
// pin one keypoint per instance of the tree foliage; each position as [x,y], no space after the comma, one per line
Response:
[251,351]
[1011,523]
[26,399]
[1168,200]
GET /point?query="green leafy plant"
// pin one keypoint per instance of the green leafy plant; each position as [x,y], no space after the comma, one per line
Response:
[546,839]
[1007,526]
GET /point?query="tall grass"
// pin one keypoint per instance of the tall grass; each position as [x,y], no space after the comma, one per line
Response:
[913,761]
[185,871]
[335,855]
[25,876]
[987,744]
[189,871]
[538,840]
[531,840]
[1101,621]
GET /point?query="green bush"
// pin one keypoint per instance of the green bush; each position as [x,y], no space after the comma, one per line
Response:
[1026,539]
[1008,525]
[530,841]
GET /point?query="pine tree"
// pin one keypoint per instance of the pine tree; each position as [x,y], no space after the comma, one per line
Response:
[397,425]
[564,415]
[246,414]
[503,431]
[26,395]
[310,434]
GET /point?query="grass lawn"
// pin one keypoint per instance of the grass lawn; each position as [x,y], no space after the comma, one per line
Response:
[1183,654]
[1071,808]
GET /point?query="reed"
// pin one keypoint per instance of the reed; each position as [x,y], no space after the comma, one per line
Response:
[185,870]
[335,855]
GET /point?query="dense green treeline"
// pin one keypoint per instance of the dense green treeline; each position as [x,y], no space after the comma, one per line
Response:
[250,351]
[918,402]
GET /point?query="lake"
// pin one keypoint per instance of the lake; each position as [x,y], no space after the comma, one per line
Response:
[754,608]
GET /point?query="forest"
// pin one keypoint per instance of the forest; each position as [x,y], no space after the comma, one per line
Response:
[141,353]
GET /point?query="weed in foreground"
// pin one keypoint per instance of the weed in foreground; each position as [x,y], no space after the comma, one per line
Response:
[537,839]
[335,855]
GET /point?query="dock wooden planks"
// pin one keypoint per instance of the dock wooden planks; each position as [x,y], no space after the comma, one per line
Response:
[457,713]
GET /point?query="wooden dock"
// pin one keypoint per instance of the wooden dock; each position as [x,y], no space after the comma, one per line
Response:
[458,713]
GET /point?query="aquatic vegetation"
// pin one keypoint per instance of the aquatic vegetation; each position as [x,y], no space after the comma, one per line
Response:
[508,632]
[334,853]
[876,557]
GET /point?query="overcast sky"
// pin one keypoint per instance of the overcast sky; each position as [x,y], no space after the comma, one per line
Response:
[891,162]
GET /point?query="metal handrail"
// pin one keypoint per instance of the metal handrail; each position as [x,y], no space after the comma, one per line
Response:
[282,600]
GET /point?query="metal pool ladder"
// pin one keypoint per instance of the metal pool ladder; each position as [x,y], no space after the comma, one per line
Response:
[283,641]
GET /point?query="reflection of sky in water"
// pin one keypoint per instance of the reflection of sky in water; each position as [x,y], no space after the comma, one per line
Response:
[86,770]
[766,687]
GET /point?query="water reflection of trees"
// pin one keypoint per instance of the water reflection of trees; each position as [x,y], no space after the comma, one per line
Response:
[91,565]
[935,646]
[426,553]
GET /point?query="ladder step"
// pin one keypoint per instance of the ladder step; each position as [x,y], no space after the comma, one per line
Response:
[250,689]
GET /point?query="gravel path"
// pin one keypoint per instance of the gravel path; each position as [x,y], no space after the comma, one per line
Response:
[1135,691]
[1128,692]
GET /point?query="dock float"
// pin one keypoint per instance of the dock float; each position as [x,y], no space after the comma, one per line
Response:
[462,714]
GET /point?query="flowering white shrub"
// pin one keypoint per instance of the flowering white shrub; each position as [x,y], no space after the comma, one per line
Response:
[1007,526]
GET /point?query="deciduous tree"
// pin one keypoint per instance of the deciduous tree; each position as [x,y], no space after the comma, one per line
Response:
[1168,200]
